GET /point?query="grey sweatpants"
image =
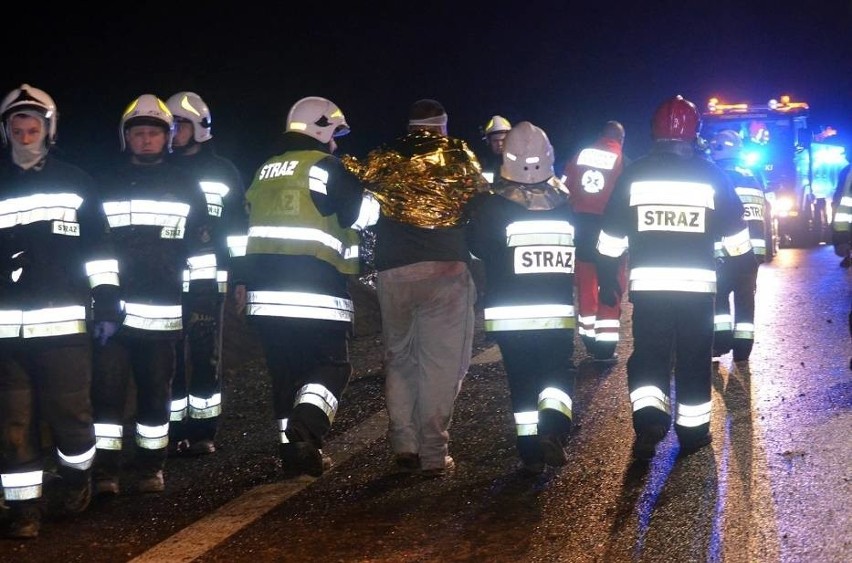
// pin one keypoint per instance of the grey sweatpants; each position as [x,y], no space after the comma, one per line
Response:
[427,329]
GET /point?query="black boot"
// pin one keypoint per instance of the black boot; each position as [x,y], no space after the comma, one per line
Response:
[25,518]
[151,464]
[589,344]
[105,472]
[645,445]
[553,449]
[605,351]
[302,458]
[202,434]
[555,429]
[691,442]
[531,454]
[76,490]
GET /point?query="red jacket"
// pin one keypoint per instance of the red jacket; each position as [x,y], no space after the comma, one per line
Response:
[591,174]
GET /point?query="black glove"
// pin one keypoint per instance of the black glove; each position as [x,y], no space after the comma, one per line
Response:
[104,330]
[609,290]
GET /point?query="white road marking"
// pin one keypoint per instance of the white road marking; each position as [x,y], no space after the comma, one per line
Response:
[202,536]
[205,534]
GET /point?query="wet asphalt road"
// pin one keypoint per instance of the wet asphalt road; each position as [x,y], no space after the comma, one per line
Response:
[774,485]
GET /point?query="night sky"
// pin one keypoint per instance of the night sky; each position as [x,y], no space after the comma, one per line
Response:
[565,66]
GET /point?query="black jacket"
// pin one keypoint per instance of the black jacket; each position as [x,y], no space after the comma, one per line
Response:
[673,207]
[535,271]
[227,214]
[51,225]
[153,255]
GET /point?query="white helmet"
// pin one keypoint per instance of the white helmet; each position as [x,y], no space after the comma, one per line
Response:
[496,124]
[27,98]
[191,107]
[147,109]
[317,117]
[527,155]
[726,144]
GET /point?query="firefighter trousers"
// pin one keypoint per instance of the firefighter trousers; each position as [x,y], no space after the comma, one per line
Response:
[540,370]
[734,329]
[150,362]
[671,330]
[197,384]
[308,362]
[42,381]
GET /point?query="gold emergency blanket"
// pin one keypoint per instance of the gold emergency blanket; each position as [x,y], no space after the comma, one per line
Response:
[424,180]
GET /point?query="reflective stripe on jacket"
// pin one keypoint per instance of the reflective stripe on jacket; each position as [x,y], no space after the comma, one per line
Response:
[675,212]
[284,220]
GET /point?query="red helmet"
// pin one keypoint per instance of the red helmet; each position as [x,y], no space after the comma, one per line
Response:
[677,119]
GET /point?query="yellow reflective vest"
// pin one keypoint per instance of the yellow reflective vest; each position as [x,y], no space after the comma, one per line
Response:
[284,220]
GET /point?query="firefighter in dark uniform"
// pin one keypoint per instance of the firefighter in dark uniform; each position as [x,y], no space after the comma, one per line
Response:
[590,177]
[197,387]
[841,204]
[671,208]
[158,223]
[494,135]
[53,269]
[841,233]
[292,280]
[738,274]
[523,232]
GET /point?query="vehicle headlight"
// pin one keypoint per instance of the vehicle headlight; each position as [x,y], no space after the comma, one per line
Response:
[783,206]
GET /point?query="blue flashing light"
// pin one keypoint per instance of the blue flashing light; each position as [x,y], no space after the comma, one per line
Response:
[751,158]
[829,155]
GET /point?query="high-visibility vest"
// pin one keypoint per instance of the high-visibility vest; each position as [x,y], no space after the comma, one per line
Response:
[284,220]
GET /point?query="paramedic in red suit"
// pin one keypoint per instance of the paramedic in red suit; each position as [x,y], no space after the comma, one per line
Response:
[590,177]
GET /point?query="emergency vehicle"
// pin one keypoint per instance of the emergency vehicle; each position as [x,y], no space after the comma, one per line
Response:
[799,167]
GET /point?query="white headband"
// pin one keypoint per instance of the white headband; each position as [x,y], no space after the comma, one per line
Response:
[432,121]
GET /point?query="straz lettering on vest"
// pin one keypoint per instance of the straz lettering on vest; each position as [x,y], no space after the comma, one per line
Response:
[544,259]
[66,228]
[277,169]
[672,218]
[172,232]
[753,212]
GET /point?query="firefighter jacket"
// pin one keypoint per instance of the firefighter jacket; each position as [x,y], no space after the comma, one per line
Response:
[223,188]
[55,270]
[300,245]
[842,206]
[158,223]
[590,178]
[752,195]
[676,212]
[524,235]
